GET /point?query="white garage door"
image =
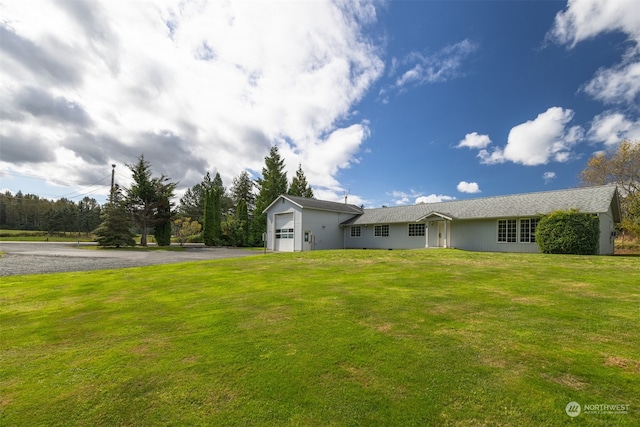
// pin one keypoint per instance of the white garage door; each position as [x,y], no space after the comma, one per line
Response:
[284,233]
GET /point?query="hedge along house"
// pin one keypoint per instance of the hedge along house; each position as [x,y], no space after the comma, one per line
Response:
[498,224]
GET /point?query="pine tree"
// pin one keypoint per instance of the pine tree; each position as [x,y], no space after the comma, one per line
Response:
[216,199]
[163,214]
[192,202]
[207,227]
[242,214]
[141,196]
[299,186]
[145,196]
[116,227]
[272,184]
[242,190]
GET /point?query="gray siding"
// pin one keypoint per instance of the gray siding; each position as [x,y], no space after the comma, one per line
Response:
[323,225]
[398,238]
[482,235]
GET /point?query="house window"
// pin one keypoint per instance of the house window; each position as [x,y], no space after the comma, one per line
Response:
[356,231]
[528,230]
[416,230]
[507,230]
[381,230]
[284,233]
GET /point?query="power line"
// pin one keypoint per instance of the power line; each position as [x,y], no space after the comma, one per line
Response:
[70,195]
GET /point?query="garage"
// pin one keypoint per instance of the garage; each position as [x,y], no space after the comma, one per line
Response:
[284,235]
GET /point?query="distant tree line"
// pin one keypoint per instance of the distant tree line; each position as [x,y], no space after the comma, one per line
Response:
[30,212]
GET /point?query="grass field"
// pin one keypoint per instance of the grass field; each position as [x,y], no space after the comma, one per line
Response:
[339,338]
[43,236]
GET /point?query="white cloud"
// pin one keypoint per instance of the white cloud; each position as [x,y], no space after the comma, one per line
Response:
[620,84]
[400,197]
[404,198]
[474,140]
[468,187]
[585,19]
[420,68]
[539,141]
[196,86]
[611,128]
[548,176]
[434,198]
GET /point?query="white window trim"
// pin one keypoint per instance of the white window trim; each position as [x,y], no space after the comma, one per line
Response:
[515,220]
[424,231]
[381,230]
[532,236]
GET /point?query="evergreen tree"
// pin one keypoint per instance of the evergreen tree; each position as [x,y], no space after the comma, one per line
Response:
[164,214]
[299,185]
[235,230]
[242,190]
[242,214]
[141,196]
[207,227]
[272,184]
[226,202]
[116,227]
[192,202]
[145,195]
[216,199]
[88,215]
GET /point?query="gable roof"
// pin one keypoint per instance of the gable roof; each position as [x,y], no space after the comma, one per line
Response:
[585,199]
[319,205]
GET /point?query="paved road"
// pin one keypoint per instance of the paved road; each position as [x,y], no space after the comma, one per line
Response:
[49,257]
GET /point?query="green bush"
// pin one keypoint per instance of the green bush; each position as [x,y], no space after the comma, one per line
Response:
[568,232]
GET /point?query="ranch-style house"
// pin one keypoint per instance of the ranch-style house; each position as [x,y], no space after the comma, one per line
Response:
[495,224]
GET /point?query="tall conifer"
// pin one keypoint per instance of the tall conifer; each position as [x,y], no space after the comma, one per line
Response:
[272,184]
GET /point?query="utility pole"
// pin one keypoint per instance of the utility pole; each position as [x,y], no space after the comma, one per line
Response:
[113,173]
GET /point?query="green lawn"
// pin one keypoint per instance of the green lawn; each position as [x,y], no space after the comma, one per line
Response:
[339,338]
[42,236]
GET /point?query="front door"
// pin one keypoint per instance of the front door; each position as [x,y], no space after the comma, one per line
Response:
[441,234]
[307,241]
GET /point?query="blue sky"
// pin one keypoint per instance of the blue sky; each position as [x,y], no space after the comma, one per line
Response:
[392,102]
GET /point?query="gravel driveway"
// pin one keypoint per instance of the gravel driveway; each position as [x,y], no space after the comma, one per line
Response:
[48,257]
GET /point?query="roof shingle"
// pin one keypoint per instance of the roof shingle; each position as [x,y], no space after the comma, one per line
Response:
[323,205]
[585,199]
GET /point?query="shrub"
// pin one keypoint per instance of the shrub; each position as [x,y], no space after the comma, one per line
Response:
[568,232]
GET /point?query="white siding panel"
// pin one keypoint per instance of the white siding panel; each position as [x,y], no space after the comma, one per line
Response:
[482,235]
[398,238]
[325,227]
